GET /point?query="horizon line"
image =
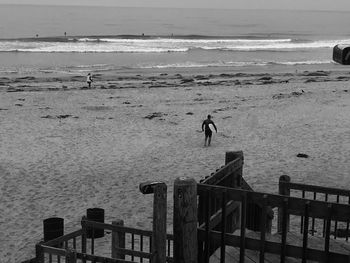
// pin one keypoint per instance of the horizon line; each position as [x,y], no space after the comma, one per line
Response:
[172,7]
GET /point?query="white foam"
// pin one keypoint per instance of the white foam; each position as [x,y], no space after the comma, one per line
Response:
[234,64]
[104,45]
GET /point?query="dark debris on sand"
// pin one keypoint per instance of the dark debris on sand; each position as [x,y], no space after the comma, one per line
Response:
[155,115]
[63,116]
[302,155]
[290,95]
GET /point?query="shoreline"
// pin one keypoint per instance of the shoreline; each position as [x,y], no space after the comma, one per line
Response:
[68,149]
[161,78]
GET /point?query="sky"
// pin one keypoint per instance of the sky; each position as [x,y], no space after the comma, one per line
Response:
[339,5]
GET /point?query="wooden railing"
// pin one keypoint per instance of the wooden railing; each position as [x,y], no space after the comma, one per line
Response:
[231,175]
[127,244]
[213,214]
[288,206]
[313,192]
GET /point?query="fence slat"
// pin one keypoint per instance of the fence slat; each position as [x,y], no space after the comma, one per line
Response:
[347,224]
[133,245]
[336,222]
[313,218]
[305,231]
[118,240]
[284,229]
[302,217]
[207,228]
[283,189]
[243,226]
[324,221]
[223,228]
[93,241]
[328,230]
[83,237]
[263,229]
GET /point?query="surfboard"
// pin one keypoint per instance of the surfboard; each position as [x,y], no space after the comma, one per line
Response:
[211,127]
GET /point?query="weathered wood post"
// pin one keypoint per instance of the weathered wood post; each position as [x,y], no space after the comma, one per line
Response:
[83,237]
[159,189]
[185,220]
[71,256]
[232,155]
[229,157]
[237,180]
[283,190]
[118,240]
[39,255]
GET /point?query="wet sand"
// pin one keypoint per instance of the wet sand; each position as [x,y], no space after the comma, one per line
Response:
[66,148]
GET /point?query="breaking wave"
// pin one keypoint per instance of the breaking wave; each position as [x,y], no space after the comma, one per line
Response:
[133,44]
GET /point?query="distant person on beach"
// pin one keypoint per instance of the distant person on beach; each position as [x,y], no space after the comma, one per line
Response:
[207,130]
[89,80]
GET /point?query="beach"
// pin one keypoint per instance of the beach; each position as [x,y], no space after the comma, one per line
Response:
[66,148]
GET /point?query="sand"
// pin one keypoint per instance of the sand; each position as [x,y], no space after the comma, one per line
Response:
[66,148]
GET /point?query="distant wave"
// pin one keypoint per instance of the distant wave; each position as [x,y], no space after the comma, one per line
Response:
[236,64]
[84,69]
[107,44]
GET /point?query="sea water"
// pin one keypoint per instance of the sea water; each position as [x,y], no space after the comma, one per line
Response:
[76,40]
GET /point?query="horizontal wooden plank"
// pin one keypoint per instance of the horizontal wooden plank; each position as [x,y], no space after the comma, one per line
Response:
[251,256]
[231,255]
[134,253]
[63,238]
[99,259]
[318,209]
[118,228]
[223,172]
[123,229]
[315,242]
[215,219]
[274,247]
[53,250]
[316,188]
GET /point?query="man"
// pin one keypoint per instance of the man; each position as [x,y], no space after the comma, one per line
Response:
[208,131]
[89,80]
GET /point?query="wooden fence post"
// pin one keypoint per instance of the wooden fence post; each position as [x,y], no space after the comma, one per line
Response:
[39,255]
[83,237]
[236,181]
[229,157]
[283,190]
[71,256]
[118,240]
[159,224]
[185,220]
[159,189]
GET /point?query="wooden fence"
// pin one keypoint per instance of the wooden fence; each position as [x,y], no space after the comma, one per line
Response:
[144,246]
[231,175]
[288,206]
[128,245]
[314,192]
[210,216]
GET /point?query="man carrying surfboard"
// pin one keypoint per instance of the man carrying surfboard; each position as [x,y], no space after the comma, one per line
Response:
[208,132]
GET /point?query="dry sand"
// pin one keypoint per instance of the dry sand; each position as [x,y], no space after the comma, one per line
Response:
[65,148]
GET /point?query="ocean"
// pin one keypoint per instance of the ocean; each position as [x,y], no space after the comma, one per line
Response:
[76,40]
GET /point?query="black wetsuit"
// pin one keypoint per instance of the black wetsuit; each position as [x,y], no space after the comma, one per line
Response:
[208,131]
